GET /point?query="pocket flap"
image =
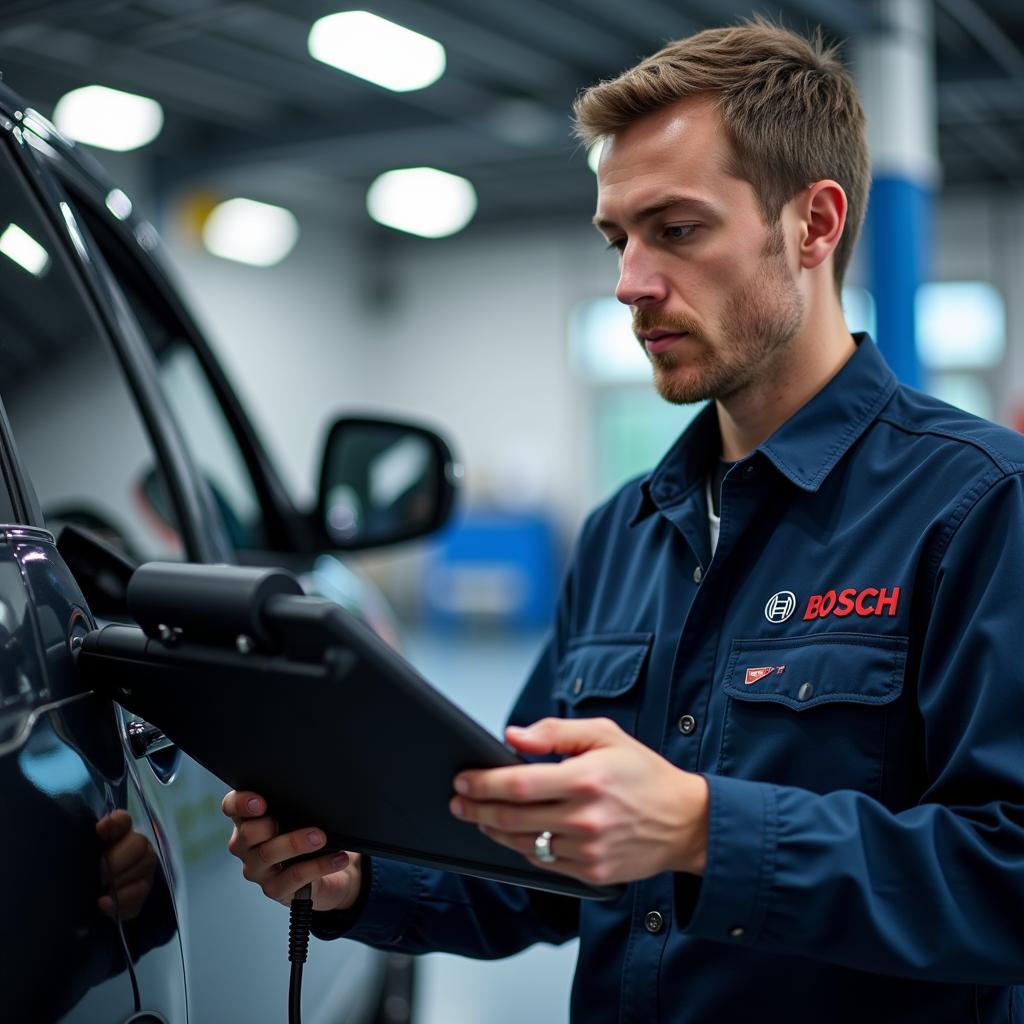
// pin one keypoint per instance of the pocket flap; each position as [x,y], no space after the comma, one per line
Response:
[604,666]
[825,669]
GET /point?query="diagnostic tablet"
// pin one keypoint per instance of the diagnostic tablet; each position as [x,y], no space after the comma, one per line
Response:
[327,722]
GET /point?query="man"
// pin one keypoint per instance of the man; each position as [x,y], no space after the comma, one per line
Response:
[784,678]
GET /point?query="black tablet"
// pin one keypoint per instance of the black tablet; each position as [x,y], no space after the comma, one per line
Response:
[327,722]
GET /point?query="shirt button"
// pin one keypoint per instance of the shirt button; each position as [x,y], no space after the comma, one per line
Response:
[698,574]
[687,724]
[736,933]
[654,922]
[577,686]
[806,692]
[749,469]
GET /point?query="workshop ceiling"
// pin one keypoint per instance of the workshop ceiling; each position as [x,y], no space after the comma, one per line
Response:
[244,101]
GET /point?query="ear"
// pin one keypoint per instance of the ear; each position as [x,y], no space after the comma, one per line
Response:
[822,211]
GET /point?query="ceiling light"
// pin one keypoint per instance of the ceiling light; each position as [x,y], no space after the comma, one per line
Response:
[594,156]
[108,118]
[378,50]
[422,201]
[249,232]
[18,245]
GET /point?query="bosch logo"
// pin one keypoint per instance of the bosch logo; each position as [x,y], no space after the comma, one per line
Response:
[780,606]
[862,603]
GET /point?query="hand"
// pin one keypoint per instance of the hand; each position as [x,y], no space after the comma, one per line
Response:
[617,811]
[335,877]
[129,862]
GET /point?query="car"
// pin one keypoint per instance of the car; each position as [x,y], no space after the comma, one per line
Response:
[121,434]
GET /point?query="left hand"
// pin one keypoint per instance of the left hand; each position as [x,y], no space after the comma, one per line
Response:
[617,811]
[127,869]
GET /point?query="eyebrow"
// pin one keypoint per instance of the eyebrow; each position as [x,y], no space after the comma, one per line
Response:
[698,205]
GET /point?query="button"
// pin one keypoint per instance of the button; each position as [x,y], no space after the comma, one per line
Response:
[577,686]
[687,724]
[654,922]
[747,470]
[736,933]
[698,574]
[806,692]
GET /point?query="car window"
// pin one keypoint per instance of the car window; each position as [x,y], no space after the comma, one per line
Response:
[76,425]
[187,388]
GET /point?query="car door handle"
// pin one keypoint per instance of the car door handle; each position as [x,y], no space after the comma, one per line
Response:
[146,739]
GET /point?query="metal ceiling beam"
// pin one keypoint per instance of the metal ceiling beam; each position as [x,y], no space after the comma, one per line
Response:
[651,22]
[551,29]
[843,19]
[987,33]
[209,95]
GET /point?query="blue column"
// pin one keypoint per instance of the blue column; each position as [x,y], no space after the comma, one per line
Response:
[896,76]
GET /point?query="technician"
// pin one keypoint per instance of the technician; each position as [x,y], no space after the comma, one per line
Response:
[785,676]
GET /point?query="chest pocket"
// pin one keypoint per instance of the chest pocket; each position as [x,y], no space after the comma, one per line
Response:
[601,677]
[812,711]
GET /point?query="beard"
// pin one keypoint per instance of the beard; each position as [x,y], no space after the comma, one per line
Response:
[759,321]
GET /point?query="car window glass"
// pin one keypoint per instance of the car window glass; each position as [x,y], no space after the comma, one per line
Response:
[193,401]
[76,425]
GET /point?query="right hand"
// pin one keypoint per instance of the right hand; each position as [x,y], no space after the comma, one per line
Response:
[335,877]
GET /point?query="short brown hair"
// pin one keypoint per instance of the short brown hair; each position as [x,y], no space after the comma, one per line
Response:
[787,103]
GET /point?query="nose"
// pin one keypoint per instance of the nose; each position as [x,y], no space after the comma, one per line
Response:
[641,284]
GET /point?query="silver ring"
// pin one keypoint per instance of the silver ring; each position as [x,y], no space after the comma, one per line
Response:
[542,848]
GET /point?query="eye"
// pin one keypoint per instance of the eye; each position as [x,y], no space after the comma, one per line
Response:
[679,232]
[616,244]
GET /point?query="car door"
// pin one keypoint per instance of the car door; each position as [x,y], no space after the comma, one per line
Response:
[94,429]
[89,928]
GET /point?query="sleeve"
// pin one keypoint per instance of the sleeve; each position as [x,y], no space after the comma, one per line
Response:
[411,909]
[930,892]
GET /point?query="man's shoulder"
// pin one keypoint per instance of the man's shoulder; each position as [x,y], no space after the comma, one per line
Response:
[976,442]
[625,501]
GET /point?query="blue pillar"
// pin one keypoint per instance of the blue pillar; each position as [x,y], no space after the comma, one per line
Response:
[896,76]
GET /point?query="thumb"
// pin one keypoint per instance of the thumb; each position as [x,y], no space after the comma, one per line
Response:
[562,735]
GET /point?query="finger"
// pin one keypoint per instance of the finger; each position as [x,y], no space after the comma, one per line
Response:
[241,804]
[563,735]
[520,784]
[285,884]
[515,818]
[111,827]
[564,848]
[139,870]
[132,848]
[251,833]
[264,861]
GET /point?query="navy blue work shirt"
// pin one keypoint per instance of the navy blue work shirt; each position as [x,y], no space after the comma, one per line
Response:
[847,674]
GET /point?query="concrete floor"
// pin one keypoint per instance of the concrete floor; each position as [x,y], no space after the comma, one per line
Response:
[482,675]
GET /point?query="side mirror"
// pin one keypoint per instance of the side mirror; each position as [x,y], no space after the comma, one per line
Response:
[382,481]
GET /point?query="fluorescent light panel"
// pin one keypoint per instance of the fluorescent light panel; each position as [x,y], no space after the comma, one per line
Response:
[377,50]
[18,245]
[246,231]
[422,201]
[108,118]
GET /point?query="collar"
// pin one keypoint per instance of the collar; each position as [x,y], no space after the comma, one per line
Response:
[804,449]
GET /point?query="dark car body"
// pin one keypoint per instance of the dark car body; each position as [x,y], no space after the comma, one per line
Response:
[96,348]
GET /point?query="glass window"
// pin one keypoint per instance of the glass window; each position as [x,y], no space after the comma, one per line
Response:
[960,325]
[75,422]
[188,390]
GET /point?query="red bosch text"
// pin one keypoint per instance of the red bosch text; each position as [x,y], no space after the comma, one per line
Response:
[870,601]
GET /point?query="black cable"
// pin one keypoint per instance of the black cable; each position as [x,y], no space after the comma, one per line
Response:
[298,946]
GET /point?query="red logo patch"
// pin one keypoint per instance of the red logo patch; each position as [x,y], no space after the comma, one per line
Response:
[754,674]
[870,601]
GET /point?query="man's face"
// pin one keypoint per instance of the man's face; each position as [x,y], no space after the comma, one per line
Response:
[712,292]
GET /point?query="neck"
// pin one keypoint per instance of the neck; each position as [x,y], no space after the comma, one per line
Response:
[798,372]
